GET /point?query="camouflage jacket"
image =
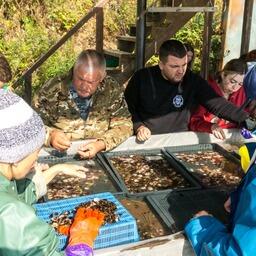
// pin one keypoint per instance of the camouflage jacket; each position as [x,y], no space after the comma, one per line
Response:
[108,119]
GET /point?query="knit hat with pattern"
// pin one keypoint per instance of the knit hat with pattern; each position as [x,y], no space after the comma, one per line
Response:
[21,129]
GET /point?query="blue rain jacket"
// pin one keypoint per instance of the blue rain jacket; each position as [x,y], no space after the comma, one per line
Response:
[209,236]
[250,83]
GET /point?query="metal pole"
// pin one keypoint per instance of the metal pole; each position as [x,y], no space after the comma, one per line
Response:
[140,33]
[247,22]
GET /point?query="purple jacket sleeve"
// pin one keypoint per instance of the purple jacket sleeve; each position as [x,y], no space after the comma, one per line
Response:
[79,250]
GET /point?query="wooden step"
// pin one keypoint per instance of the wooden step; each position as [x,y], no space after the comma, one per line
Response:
[132,31]
[118,53]
[180,9]
[127,38]
[113,70]
[126,43]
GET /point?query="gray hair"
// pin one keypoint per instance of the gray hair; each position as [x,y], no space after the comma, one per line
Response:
[91,60]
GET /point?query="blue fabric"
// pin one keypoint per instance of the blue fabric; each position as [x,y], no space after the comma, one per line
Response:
[209,236]
[83,104]
[250,83]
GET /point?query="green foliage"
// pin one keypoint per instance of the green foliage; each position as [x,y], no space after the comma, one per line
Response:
[29,28]
[119,15]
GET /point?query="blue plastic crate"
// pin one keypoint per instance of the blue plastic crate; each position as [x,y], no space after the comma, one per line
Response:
[122,232]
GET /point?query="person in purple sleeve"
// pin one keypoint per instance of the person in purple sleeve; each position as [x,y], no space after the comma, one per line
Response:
[22,182]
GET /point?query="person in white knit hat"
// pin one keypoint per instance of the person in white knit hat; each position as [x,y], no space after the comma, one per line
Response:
[22,134]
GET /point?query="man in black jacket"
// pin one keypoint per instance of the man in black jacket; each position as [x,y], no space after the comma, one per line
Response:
[161,98]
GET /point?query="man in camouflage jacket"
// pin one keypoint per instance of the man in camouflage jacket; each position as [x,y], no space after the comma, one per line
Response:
[85,104]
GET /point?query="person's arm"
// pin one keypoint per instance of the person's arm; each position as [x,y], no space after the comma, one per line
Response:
[208,235]
[197,121]
[22,232]
[132,98]
[218,105]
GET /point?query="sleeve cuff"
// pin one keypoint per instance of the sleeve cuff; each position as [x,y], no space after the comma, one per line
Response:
[79,249]
[40,183]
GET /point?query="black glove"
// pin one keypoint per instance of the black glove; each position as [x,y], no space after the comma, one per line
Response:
[252,109]
[250,124]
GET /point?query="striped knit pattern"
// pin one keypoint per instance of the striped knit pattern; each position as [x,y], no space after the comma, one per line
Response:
[21,129]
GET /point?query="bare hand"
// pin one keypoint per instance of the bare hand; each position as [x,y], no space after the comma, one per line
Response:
[227,205]
[59,140]
[143,133]
[71,170]
[202,213]
[218,132]
[91,149]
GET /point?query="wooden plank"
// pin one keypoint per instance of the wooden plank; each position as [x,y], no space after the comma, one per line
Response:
[207,35]
[181,9]
[247,24]
[99,29]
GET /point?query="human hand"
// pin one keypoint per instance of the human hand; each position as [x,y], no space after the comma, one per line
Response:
[218,132]
[85,226]
[227,205]
[59,140]
[71,170]
[143,133]
[202,213]
[68,169]
[91,149]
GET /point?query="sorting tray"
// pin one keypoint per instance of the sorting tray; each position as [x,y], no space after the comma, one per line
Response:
[176,208]
[97,180]
[122,232]
[139,172]
[209,164]
[149,224]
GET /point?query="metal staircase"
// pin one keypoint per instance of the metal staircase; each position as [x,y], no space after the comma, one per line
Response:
[155,24]
[162,22]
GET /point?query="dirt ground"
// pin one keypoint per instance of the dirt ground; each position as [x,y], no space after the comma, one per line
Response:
[149,225]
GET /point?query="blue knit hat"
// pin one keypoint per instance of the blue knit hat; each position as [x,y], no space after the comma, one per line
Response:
[21,129]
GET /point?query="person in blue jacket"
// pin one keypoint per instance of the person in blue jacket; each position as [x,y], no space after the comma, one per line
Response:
[208,236]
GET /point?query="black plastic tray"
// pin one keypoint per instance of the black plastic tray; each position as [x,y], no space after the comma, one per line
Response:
[176,208]
[105,158]
[114,184]
[191,168]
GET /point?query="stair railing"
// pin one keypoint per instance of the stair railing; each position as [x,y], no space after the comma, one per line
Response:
[96,11]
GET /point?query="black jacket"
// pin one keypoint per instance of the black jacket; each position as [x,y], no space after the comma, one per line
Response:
[165,107]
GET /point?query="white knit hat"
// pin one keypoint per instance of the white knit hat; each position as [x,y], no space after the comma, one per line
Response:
[21,129]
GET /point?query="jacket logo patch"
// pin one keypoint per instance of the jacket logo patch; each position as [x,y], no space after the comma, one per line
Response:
[178,101]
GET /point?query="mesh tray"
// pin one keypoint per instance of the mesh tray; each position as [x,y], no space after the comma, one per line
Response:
[97,180]
[122,232]
[152,184]
[176,208]
[210,164]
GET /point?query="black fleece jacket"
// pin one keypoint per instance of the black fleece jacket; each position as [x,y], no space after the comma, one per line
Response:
[166,107]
